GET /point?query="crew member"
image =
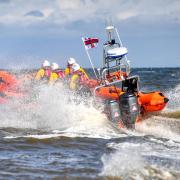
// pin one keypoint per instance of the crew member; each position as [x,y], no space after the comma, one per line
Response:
[56,73]
[78,77]
[68,71]
[44,72]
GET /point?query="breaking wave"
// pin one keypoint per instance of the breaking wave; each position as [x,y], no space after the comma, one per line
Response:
[53,109]
[142,157]
[57,110]
[138,161]
[174,99]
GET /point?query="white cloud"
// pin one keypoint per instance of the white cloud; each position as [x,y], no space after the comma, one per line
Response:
[47,12]
[148,11]
[126,15]
[65,12]
[16,12]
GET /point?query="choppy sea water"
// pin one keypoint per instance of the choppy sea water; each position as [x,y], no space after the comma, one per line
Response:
[54,138]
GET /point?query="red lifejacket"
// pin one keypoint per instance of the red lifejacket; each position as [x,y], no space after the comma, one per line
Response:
[82,77]
[47,73]
[60,74]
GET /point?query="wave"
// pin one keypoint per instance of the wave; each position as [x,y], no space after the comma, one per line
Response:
[154,154]
[130,162]
[160,127]
[53,108]
[171,114]
[56,108]
[174,99]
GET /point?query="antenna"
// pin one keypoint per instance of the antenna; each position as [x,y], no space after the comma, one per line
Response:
[114,52]
[109,30]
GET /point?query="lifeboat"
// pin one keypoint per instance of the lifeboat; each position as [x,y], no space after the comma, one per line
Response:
[124,103]
[7,81]
[148,101]
[9,87]
[125,108]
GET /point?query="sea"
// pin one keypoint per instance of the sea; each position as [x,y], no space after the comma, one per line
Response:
[47,135]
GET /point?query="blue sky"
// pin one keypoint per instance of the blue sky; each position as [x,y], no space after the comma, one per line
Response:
[33,30]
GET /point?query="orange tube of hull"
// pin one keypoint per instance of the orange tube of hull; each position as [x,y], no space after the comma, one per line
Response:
[8,81]
[150,102]
[109,93]
[153,101]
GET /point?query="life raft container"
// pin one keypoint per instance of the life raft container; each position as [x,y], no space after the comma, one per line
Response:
[118,52]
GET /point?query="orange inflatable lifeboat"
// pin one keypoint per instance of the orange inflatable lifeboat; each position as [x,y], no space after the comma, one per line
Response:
[124,103]
[9,86]
[125,109]
[7,81]
[149,102]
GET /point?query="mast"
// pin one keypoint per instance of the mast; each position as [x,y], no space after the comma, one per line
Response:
[112,47]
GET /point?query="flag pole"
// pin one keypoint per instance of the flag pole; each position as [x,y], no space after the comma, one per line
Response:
[89,59]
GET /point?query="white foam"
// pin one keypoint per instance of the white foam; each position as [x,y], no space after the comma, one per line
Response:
[160,127]
[36,136]
[174,99]
[70,134]
[55,109]
[133,160]
[122,163]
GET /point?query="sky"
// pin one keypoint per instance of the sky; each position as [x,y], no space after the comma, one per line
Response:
[34,30]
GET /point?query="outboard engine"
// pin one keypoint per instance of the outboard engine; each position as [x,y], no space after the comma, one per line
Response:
[113,110]
[129,109]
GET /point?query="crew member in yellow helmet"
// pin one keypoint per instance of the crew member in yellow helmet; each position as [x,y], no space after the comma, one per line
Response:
[56,73]
[44,72]
[78,77]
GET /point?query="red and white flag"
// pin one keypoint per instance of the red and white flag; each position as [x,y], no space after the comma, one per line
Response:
[90,42]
